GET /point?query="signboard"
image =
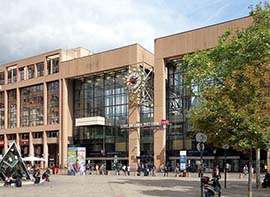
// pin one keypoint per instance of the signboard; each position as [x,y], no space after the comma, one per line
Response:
[139,125]
[76,160]
[183,160]
[165,122]
[2,143]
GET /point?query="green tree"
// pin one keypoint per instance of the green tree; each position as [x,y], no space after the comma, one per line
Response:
[233,80]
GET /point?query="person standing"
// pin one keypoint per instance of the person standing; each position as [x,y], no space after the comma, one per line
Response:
[128,170]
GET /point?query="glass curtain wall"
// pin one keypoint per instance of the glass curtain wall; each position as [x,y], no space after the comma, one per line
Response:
[146,133]
[102,95]
[178,101]
[32,106]
[53,102]
[12,109]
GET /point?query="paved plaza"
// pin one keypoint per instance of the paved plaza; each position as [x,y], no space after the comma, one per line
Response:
[120,186]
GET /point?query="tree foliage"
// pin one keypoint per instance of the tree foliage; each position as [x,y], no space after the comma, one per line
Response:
[234,83]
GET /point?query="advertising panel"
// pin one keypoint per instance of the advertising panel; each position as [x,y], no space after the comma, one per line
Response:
[183,160]
[76,160]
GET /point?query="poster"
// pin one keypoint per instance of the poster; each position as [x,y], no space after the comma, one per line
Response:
[76,160]
[183,160]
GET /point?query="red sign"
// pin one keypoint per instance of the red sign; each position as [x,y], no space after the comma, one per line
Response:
[2,143]
[24,142]
[164,122]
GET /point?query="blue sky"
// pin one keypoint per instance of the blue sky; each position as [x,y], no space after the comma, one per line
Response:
[32,27]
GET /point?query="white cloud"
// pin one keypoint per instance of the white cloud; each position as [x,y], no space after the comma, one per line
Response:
[32,27]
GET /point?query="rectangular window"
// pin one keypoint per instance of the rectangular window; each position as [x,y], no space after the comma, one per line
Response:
[21,70]
[40,69]
[32,106]
[31,71]
[52,134]
[53,102]
[53,64]
[12,109]
[11,136]
[2,78]
[37,135]
[12,74]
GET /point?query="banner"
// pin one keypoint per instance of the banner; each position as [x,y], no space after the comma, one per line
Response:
[76,160]
[183,159]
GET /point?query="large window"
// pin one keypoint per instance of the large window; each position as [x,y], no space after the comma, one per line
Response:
[102,95]
[12,109]
[31,71]
[53,64]
[53,102]
[40,69]
[2,78]
[21,70]
[2,110]
[12,74]
[178,101]
[32,106]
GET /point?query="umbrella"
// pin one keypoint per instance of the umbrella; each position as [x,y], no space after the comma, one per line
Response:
[32,158]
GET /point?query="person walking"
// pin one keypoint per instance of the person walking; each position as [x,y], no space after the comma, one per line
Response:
[128,170]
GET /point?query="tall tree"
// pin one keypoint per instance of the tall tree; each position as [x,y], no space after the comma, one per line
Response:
[232,84]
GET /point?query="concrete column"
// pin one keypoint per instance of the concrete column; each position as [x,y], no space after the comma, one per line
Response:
[134,136]
[160,112]
[45,149]
[31,145]
[65,121]
[6,143]
[18,142]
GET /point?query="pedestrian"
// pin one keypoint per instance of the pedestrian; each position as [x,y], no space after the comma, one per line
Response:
[46,175]
[128,170]
[166,173]
[177,170]
[245,169]
[36,176]
[216,172]
[124,168]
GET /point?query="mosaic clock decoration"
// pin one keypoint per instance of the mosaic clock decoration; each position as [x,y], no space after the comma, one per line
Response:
[139,82]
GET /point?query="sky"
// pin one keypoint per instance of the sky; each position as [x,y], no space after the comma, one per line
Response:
[31,27]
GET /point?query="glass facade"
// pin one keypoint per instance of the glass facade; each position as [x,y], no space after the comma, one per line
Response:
[178,101]
[102,95]
[32,106]
[12,109]
[2,110]
[53,102]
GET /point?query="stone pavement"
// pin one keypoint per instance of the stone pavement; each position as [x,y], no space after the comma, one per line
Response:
[121,186]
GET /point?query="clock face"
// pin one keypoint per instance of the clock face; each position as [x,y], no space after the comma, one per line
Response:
[134,80]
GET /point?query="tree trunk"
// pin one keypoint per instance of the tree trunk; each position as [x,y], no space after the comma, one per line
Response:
[268,160]
[258,168]
[250,174]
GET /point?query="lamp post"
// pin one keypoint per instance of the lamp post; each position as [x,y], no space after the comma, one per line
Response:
[225,147]
[201,138]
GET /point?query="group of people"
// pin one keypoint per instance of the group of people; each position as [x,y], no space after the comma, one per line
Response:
[45,175]
[9,180]
[146,170]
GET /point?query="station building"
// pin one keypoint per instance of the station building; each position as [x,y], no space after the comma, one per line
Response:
[126,104]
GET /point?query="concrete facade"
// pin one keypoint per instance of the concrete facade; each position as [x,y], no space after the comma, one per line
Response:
[80,62]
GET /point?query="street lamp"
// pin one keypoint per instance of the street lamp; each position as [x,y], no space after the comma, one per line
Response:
[201,138]
[225,147]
